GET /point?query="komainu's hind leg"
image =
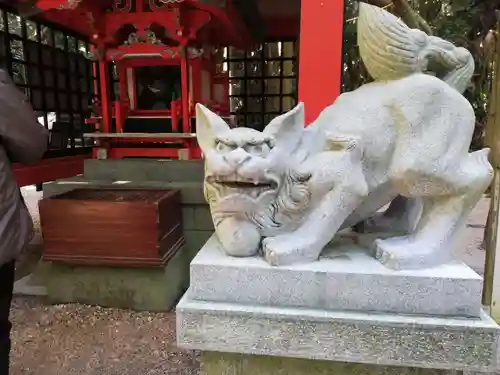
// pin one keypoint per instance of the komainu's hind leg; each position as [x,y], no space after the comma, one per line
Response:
[401,216]
[449,194]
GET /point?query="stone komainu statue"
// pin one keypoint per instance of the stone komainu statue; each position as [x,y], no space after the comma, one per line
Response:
[286,191]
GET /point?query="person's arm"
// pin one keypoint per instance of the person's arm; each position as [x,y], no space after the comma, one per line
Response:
[22,136]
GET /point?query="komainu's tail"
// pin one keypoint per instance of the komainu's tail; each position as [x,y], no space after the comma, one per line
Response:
[391,50]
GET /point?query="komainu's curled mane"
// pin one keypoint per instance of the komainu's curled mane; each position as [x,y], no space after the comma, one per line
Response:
[403,139]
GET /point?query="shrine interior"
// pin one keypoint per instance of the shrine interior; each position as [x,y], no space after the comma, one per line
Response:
[120,79]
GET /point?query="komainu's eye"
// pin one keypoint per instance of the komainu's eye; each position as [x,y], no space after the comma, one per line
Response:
[261,149]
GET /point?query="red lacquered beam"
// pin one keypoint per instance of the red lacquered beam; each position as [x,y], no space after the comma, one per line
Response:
[49,170]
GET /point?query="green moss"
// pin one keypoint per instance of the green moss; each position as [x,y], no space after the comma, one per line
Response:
[235,364]
[143,289]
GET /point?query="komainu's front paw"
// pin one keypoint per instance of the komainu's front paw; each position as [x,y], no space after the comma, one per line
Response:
[393,252]
[289,249]
[404,253]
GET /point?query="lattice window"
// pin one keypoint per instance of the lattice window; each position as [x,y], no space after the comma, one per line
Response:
[53,68]
[263,82]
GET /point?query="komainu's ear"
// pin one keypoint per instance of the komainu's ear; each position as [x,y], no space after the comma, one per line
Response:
[208,126]
[287,128]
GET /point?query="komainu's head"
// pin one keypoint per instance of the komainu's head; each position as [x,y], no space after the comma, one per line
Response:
[251,176]
[244,160]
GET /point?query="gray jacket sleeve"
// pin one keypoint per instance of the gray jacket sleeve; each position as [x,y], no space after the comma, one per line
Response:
[22,136]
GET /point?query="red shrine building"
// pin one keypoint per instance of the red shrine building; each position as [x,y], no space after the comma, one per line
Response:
[120,78]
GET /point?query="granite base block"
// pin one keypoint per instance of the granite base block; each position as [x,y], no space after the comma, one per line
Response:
[346,278]
[213,363]
[382,339]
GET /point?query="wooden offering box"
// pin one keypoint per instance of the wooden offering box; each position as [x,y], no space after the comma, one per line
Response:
[119,227]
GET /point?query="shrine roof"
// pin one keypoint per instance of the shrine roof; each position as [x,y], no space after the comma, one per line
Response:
[89,17]
[233,22]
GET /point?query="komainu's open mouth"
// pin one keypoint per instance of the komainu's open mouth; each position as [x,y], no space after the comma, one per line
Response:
[245,185]
[238,182]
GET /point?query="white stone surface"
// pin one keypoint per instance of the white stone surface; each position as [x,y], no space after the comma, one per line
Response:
[459,344]
[406,134]
[343,279]
[26,288]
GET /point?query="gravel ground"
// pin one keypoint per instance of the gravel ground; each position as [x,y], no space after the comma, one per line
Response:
[85,340]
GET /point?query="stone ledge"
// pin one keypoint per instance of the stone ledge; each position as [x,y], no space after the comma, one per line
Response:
[25,287]
[392,340]
[348,279]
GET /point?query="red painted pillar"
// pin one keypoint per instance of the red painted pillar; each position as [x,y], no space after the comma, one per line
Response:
[123,106]
[186,95]
[320,54]
[105,96]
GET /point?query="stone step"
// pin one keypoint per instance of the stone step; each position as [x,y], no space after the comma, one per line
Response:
[144,170]
[347,279]
[28,286]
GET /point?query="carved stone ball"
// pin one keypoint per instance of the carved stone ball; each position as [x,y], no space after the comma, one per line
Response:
[239,238]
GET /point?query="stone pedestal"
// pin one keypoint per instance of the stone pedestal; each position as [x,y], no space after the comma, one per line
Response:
[344,308]
[137,288]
